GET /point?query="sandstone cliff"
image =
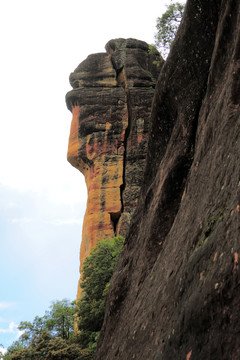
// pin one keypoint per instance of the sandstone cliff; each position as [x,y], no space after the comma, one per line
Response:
[176,291]
[111,105]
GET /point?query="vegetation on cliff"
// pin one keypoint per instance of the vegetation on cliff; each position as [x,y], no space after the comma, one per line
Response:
[52,336]
[167,26]
[97,271]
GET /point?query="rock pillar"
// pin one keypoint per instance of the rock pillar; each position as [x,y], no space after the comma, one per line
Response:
[110,104]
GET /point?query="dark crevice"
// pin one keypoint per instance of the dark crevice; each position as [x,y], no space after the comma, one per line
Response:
[115,216]
[118,71]
[127,132]
[122,82]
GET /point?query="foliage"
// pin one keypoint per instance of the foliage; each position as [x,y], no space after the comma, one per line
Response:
[60,319]
[52,337]
[53,331]
[16,346]
[167,26]
[50,347]
[31,330]
[154,51]
[97,271]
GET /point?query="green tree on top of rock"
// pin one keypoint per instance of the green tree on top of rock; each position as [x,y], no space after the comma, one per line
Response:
[167,26]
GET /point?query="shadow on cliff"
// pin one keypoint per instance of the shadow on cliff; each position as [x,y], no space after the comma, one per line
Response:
[175,292]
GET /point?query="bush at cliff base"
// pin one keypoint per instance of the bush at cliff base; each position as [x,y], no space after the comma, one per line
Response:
[48,347]
[49,337]
[97,271]
[52,337]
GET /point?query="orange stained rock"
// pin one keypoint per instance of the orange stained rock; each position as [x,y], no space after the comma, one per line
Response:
[73,138]
[235,258]
[102,201]
[215,257]
[189,355]
[73,142]
[103,179]
[201,275]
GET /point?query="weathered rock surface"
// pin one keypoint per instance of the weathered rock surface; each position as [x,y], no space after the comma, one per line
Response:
[111,105]
[176,291]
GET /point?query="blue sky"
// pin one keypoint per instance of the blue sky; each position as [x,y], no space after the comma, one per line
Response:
[42,198]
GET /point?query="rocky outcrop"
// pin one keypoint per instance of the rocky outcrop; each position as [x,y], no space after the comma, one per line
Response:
[111,105]
[176,289]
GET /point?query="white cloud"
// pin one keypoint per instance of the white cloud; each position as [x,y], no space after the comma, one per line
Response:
[19,333]
[3,351]
[57,222]
[5,305]
[69,192]
[21,220]
[12,205]
[13,331]
[12,328]
[60,222]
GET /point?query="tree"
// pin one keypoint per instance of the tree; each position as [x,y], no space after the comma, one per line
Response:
[60,319]
[49,347]
[15,347]
[96,274]
[31,330]
[167,26]
[54,329]
[52,337]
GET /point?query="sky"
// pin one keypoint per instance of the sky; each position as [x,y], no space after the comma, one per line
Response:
[42,197]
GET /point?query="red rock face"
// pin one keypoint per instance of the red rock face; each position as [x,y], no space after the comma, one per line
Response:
[176,289]
[111,105]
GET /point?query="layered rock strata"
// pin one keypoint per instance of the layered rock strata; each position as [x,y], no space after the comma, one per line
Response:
[176,289]
[111,104]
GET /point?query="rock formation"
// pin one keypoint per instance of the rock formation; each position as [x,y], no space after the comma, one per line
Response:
[111,105]
[175,293]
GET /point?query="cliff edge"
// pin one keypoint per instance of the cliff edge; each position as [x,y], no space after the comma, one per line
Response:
[176,289]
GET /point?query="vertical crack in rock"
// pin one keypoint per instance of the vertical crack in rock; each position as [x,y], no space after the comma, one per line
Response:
[126,136]
[122,82]
[117,52]
[136,74]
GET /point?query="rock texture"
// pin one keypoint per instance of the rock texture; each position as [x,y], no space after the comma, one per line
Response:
[111,105]
[175,293]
